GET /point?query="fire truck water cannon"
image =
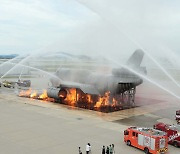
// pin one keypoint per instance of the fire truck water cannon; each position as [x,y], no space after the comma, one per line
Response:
[147,139]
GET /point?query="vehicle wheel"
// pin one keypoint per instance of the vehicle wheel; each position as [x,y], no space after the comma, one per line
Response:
[128,143]
[175,144]
[146,150]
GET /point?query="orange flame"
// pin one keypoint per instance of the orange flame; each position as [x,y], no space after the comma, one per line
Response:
[78,96]
[71,97]
[43,95]
[104,100]
[115,102]
[25,93]
[89,98]
[33,95]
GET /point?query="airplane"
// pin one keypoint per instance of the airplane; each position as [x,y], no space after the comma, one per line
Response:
[117,82]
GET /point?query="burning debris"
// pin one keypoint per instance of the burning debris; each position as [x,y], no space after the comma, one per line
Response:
[75,97]
[25,93]
[34,94]
[43,95]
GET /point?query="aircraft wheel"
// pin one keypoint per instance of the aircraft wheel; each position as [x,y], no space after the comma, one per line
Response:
[128,143]
[175,144]
[146,150]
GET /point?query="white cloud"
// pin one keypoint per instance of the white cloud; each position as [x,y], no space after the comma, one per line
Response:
[34,22]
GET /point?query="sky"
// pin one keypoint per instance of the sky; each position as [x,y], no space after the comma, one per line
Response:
[27,25]
[90,26]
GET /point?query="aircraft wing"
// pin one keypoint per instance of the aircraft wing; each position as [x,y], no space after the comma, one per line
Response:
[127,80]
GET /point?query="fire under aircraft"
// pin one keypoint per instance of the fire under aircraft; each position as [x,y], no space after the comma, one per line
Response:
[119,81]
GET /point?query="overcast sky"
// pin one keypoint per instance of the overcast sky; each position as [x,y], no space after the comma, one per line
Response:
[27,25]
[89,25]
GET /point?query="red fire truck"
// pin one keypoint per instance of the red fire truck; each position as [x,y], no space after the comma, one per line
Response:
[147,139]
[172,133]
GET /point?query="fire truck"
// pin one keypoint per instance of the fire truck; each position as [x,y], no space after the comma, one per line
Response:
[24,83]
[8,84]
[148,139]
[173,133]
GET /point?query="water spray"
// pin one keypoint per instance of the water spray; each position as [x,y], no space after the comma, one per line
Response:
[37,69]
[133,41]
[145,77]
[15,66]
[22,61]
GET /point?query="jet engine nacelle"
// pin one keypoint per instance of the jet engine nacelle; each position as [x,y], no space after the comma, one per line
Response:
[57,93]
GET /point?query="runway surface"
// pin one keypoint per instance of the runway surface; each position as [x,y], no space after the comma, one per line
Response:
[33,126]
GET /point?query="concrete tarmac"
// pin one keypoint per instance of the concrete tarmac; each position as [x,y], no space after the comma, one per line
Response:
[30,126]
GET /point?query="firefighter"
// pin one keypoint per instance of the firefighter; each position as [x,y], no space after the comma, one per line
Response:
[103,150]
[110,149]
[88,148]
[107,150]
[80,152]
[113,149]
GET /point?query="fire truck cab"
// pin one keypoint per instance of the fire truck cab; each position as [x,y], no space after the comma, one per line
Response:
[147,139]
[173,133]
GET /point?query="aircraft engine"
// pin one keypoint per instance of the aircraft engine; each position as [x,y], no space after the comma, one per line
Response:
[57,93]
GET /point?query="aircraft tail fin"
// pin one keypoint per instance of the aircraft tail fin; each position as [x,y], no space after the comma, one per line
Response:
[135,61]
[136,58]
